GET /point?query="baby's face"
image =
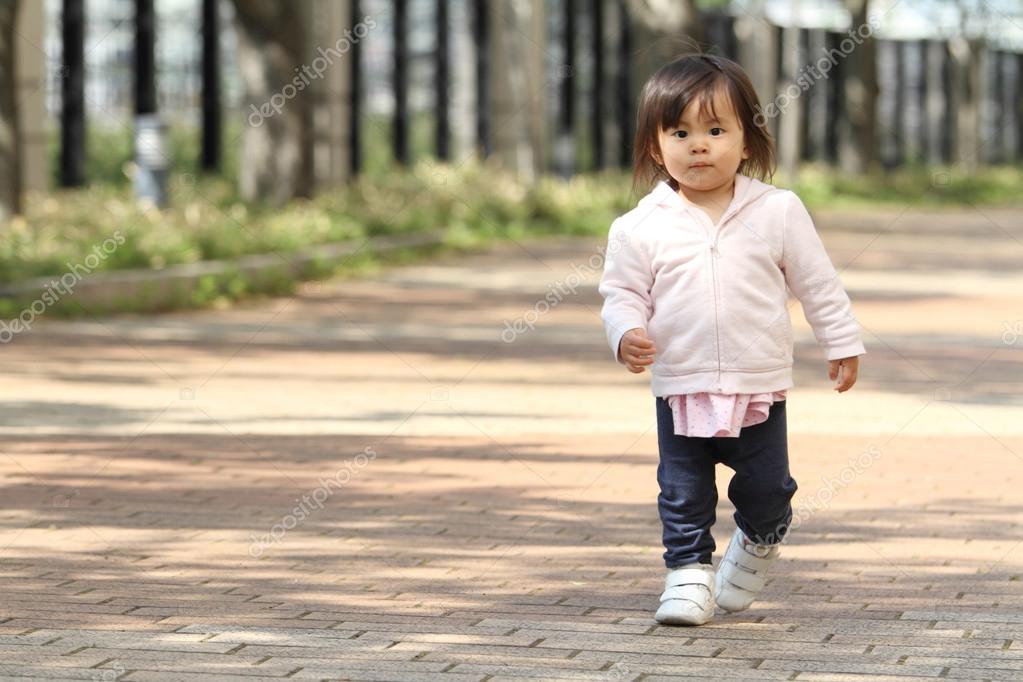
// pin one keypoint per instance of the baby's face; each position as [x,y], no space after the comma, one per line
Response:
[704,153]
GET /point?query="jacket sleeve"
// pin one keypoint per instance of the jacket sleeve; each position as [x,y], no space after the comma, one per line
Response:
[625,285]
[813,279]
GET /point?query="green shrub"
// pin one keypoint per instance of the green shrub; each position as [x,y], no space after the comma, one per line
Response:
[472,203]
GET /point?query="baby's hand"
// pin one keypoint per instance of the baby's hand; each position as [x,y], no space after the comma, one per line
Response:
[845,370]
[636,350]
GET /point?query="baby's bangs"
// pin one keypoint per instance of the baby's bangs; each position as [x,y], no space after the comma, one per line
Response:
[677,97]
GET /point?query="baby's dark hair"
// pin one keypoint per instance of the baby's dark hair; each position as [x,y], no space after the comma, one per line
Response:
[697,77]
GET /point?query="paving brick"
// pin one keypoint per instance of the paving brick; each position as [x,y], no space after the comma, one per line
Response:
[514,538]
[849,677]
[999,616]
[613,673]
[387,676]
[994,659]
[981,674]
[183,676]
[10,672]
[251,621]
[298,654]
[624,643]
[550,663]
[57,656]
[922,643]
[457,649]
[853,667]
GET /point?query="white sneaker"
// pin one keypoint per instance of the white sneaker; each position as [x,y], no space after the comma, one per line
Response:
[742,572]
[688,597]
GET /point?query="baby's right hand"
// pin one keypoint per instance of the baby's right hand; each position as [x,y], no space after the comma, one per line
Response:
[636,350]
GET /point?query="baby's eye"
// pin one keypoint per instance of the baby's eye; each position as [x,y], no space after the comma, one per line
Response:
[680,134]
[717,131]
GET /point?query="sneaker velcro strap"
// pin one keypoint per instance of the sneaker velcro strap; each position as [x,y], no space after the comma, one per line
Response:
[685,592]
[754,563]
[753,582]
[689,576]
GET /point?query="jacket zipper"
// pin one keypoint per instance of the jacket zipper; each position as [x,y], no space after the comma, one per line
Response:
[715,253]
[714,286]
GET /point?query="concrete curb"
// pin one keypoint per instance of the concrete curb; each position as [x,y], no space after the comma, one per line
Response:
[163,287]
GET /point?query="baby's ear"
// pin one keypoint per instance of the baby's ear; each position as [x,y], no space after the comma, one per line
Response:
[745,152]
[655,154]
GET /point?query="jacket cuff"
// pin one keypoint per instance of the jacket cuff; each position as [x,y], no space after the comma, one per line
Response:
[847,350]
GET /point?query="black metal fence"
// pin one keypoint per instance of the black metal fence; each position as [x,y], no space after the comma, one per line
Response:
[916,116]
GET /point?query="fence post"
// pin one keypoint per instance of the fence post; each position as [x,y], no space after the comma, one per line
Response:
[441,63]
[355,94]
[400,83]
[597,101]
[481,31]
[72,114]
[623,84]
[211,131]
[151,162]
[565,145]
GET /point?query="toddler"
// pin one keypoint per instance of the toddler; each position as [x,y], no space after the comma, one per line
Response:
[694,286]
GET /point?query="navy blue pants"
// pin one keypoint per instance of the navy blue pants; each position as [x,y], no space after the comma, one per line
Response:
[761,488]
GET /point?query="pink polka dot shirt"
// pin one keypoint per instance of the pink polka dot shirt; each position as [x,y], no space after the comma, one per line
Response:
[708,415]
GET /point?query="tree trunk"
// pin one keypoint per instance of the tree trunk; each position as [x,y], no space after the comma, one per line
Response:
[758,49]
[857,122]
[664,29]
[10,144]
[818,111]
[518,88]
[277,149]
[791,123]
[967,91]
[463,82]
[936,102]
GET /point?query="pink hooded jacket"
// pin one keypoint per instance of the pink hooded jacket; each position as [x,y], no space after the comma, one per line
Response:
[713,299]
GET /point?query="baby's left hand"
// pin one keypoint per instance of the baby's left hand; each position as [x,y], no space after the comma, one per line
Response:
[845,370]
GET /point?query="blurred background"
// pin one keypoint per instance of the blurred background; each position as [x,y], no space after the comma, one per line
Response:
[247,126]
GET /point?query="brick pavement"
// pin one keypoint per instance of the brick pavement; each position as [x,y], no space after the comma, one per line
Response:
[365,482]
